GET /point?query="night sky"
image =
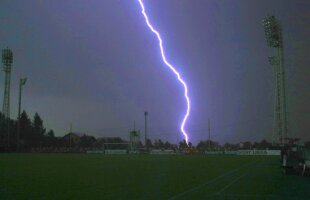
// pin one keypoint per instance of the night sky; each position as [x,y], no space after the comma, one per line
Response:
[96,64]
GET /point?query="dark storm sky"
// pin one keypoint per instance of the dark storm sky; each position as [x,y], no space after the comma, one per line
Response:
[95,64]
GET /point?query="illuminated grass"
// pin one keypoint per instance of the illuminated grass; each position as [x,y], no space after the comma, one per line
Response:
[82,176]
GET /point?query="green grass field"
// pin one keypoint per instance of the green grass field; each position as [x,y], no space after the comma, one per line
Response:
[83,176]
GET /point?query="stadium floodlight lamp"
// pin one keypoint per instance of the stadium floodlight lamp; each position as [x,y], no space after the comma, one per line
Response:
[7,56]
[272,32]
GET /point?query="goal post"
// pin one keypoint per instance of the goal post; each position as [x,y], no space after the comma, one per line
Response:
[116,148]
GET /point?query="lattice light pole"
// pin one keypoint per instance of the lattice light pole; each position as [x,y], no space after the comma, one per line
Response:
[274,38]
[7,60]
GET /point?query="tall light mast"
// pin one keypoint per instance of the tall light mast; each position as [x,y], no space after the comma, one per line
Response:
[209,134]
[22,82]
[145,128]
[7,60]
[274,38]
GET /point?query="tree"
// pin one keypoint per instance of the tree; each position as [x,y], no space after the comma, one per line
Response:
[51,133]
[87,141]
[158,144]
[208,144]
[3,131]
[247,145]
[25,128]
[37,124]
[38,131]
[32,133]
[139,145]
[202,145]
[149,143]
[228,146]
[256,145]
[167,145]
[264,144]
[50,140]
[183,145]
[5,125]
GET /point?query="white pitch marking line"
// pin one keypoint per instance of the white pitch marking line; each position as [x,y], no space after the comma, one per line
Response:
[248,195]
[208,182]
[229,184]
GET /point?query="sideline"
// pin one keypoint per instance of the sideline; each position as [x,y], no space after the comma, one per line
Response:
[229,184]
[210,181]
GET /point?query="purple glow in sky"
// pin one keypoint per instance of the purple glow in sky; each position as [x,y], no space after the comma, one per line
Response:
[172,68]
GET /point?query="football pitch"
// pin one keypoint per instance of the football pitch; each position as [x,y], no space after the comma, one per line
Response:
[87,176]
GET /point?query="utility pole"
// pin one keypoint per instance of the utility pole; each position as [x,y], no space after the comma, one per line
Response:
[70,140]
[145,128]
[70,134]
[7,60]
[209,132]
[22,82]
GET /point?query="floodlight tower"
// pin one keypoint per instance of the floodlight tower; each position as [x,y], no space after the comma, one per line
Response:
[7,60]
[274,38]
[22,82]
[145,128]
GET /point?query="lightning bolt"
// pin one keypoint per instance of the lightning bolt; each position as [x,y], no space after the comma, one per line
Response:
[172,68]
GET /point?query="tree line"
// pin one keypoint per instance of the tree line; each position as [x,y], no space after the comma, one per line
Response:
[212,145]
[34,136]
[32,133]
